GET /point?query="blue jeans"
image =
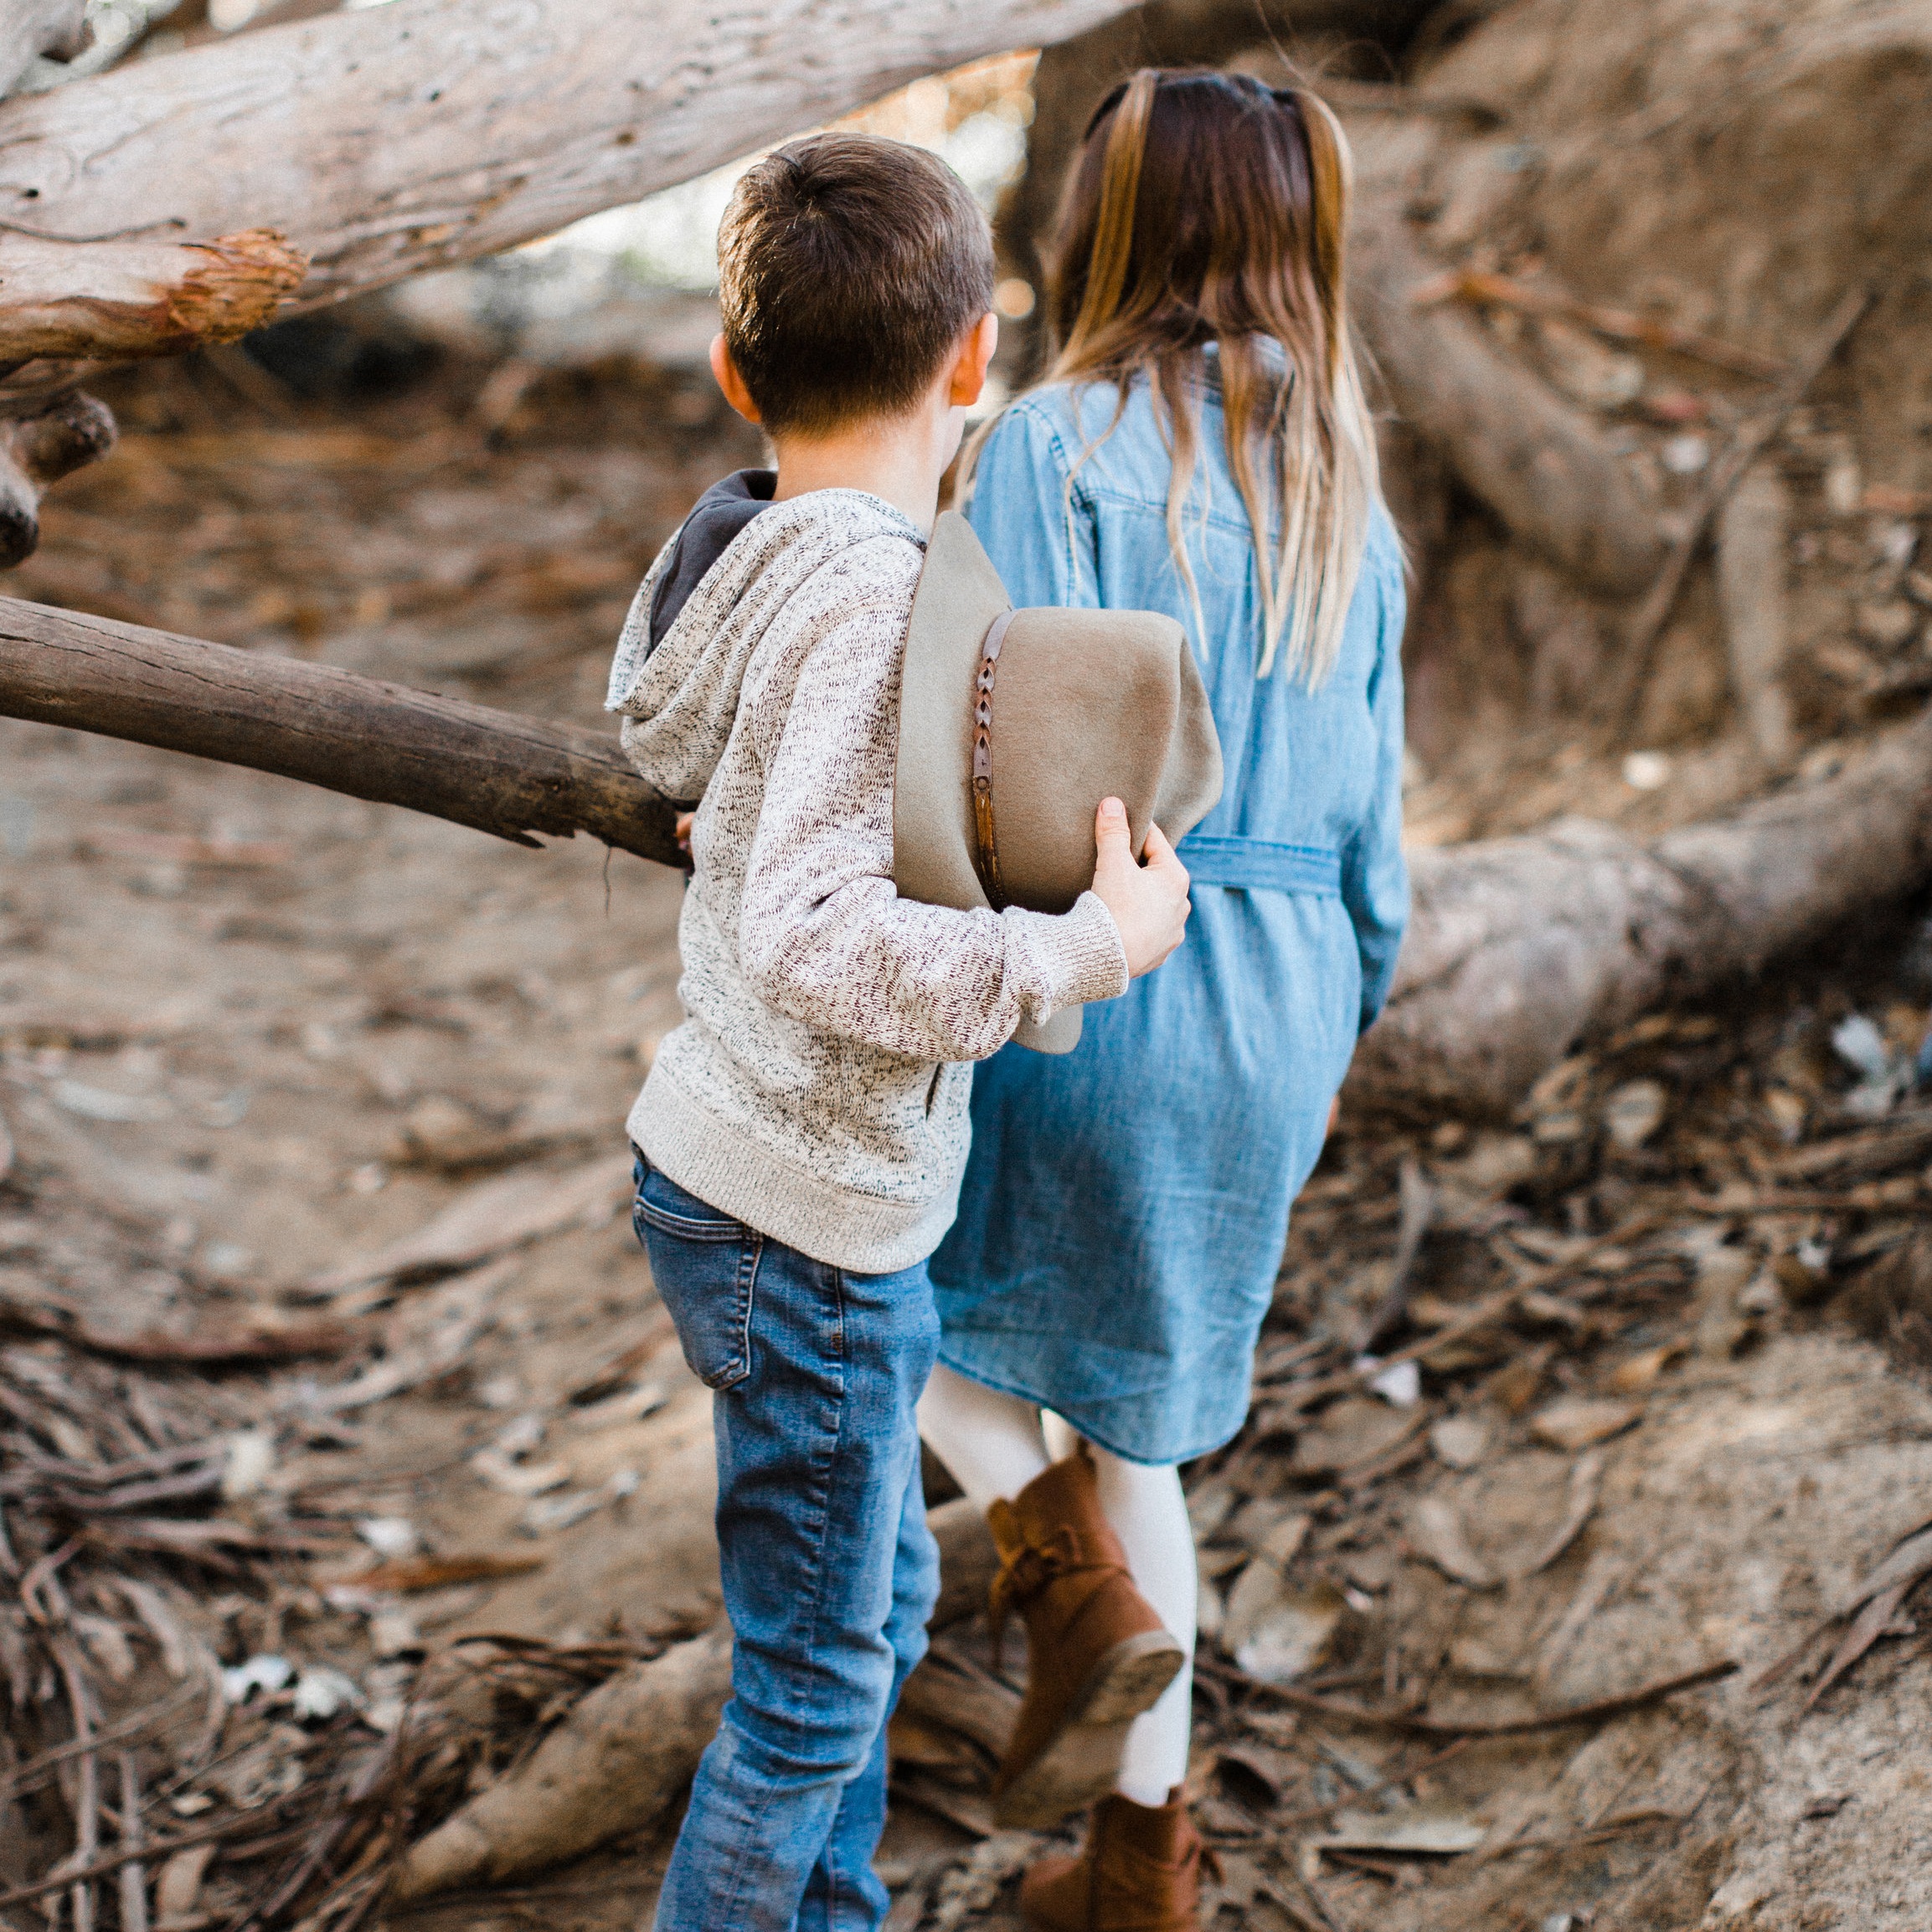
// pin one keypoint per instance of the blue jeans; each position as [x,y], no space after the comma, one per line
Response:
[829,1570]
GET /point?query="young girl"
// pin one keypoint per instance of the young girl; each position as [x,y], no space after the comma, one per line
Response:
[1201,447]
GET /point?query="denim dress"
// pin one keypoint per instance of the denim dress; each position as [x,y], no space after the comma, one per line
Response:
[1126,1205]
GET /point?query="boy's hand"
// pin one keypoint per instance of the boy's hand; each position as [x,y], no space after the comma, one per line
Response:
[1149,902]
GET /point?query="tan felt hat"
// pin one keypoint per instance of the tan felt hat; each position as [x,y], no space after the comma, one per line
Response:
[1014,725]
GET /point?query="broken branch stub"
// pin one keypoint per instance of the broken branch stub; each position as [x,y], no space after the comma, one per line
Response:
[39,446]
[120,300]
[626,1752]
[29,29]
[497,772]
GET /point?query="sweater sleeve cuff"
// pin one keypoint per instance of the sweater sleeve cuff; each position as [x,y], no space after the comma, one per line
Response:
[1083,955]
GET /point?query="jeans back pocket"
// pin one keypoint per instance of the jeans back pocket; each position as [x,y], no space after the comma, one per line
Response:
[705,1266]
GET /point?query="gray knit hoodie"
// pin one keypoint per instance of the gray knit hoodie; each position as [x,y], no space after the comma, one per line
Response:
[818,1089]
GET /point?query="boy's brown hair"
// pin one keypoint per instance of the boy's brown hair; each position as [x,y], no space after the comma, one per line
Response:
[849,268]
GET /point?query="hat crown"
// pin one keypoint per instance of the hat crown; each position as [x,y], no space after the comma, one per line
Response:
[1080,705]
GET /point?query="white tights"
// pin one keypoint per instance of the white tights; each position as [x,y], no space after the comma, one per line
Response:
[994,1445]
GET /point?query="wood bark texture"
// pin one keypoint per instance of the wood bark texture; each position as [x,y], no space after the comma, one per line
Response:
[497,772]
[626,1752]
[391,140]
[1522,947]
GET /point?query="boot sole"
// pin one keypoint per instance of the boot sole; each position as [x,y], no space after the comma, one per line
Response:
[1083,1758]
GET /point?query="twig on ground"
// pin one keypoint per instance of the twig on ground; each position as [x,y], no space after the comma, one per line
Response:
[1619,324]
[163,1849]
[1313,1814]
[87,1799]
[1323,1910]
[1419,1204]
[133,1874]
[24,1777]
[1410,1725]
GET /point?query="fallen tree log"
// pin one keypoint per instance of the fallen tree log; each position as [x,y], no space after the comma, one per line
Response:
[626,1751]
[183,200]
[498,771]
[386,141]
[1522,947]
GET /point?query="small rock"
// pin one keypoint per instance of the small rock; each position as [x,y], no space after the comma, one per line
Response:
[1889,623]
[1459,1440]
[1647,770]
[249,1463]
[1685,455]
[1634,1111]
[390,1535]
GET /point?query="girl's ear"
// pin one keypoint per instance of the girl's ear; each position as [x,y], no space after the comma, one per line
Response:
[976,353]
[729,379]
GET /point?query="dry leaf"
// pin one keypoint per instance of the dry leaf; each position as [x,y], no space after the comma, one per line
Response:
[1578,1421]
[1515,1384]
[1352,1431]
[489,1218]
[1637,1374]
[406,1576]
[518,1478]
[1579,1505]
[1256,1773]
[1440,1830]
[1634,1111]
[1909,1559]
[1275,1631]
[179,1888]
[1436,1535]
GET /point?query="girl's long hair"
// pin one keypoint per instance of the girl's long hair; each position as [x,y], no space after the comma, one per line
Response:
[1208,207]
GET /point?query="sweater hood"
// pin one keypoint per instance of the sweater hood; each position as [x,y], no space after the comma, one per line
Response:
[681,690]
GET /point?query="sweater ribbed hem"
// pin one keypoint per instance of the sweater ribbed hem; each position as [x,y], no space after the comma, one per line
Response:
[724,1167]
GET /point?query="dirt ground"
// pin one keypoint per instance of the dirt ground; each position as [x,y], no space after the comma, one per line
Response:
[1670,1329]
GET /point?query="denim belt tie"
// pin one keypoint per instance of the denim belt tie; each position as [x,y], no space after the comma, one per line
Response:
[1262,865]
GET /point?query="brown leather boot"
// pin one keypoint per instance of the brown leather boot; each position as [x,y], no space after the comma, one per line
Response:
[1098,1653]
[1139,1873]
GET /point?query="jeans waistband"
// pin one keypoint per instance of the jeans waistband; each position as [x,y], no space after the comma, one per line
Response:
[1261,865]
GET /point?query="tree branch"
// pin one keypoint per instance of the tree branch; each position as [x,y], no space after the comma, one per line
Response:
[498,771]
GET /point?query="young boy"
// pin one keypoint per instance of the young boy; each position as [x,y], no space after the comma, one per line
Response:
[802,1135]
